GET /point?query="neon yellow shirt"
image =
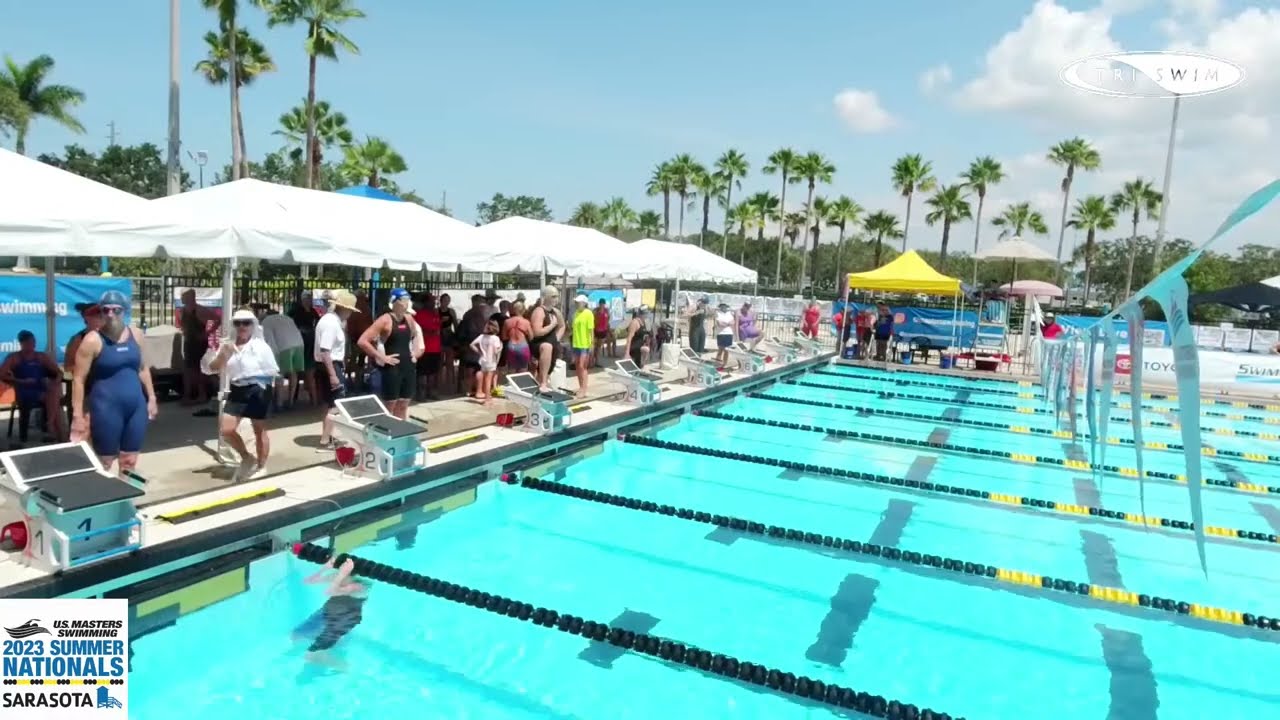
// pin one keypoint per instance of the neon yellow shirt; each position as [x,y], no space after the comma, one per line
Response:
[584,329]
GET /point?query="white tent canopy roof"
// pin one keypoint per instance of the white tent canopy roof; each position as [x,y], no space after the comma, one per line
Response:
[47,212]
[566,249]
[680,261]
[1015,248]
[334,228]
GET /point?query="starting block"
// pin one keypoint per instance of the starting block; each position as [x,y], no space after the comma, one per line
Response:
[751,361]
[642,387]
[74,512]
[787,352]
[545,412]
[807,345]
[386,446]
[701,372]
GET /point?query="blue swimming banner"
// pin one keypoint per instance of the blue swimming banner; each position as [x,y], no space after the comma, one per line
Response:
[22,306]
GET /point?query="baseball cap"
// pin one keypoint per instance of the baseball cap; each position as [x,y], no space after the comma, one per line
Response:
[243,316]
[582,299]
[400,294]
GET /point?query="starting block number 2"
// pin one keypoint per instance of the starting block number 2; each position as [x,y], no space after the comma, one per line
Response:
[371,459]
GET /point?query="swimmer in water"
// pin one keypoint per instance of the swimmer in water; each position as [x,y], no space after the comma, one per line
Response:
[342,611]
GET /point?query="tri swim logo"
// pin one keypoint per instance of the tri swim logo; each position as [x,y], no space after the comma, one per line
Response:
[1163,74]
[26,630]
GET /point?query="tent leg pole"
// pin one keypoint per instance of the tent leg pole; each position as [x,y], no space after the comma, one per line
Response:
[224,380]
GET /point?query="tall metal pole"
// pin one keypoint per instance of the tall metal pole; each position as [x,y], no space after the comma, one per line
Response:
[1164,191]
[175,143]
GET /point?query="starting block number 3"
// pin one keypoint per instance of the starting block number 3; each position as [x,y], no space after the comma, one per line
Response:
[535,419]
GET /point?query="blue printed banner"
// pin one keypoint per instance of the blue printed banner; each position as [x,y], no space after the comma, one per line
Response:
[615,300]
[22,306]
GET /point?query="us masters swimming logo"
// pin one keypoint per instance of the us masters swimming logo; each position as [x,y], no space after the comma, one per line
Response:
[64,659]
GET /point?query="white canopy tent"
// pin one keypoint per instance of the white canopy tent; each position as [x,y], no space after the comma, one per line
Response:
[557,249]
[679,261]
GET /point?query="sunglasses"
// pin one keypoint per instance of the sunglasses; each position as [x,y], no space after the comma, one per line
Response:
[111,309]
[242,323]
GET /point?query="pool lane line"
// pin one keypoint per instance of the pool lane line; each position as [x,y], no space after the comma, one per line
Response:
[674,651]
[1105,594]
[998,499]
[1023,409]
[1241,485]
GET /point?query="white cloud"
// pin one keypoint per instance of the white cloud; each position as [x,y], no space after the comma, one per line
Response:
[861,111]
[1225,142]
[935,78]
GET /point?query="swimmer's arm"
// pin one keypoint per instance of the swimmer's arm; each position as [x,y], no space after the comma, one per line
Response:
[372,333]
[417,345]
[88,351]
[340,579]
[144,371]
[321,575]
[50,366]
[475,344]
[6,370]
[69,358]
[538,322]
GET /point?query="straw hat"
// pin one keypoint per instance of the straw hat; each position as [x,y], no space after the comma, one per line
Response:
[344,299]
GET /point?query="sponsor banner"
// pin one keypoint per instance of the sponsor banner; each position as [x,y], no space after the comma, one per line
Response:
[1221,370]
[22,307]
[64,659]
[1154,332]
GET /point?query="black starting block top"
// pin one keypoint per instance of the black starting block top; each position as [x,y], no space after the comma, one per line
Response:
[392,427]
[525,383]
[67,477]
[690,356]
[630,368]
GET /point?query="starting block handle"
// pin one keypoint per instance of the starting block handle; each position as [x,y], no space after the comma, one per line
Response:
[102,531]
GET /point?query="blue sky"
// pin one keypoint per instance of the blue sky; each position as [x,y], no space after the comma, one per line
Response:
[571,100]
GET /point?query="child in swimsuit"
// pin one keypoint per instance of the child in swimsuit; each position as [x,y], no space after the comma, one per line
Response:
[341,612]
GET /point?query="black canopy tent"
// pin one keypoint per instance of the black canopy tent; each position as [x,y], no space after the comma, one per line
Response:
[1260,296]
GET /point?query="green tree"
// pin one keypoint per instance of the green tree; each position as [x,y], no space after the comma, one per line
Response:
[588,215]
[842,212]
[748,216]
[12,111]
[618,216]
[684,169]
[251,61]
[1074,154]
[370,160]
[1018,218]
[331,130]
[136,169]
[323,20]
[813,168]
[1137,197]
[501,206]
[911,173]
[731,167]
[648,223]
[711,186]
[783,163]
[38,99]
[882,226]
[1092,214]
[662,183]
[948,205]
[981,175]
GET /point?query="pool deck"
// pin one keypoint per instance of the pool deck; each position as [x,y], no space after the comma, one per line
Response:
[319,487]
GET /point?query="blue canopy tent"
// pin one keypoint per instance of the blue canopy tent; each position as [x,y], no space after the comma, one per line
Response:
[366,191]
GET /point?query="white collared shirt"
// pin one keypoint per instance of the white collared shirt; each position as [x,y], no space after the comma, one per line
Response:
[253,363]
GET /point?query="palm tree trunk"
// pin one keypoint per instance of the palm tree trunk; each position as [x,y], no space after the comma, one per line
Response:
[728,205]
[906,225]
[839,257]
[706,219]
[946,238]
[244,154]
[808,222]
[782,218]
[879,246]
[1088,265]
[312,170]
[1062,226]
[373,178]
[1133,255]
[317,156]
[20,139]
[684,198]
[666,214]
[977,233]
[233,80]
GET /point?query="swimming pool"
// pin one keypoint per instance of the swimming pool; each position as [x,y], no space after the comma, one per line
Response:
[956,641]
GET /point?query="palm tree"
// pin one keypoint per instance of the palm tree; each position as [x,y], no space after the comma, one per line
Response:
[911,173]
[710,186]
[981,175]
[252,60]
[588,215]
[618,216]
[770,207]
[12,111]
[948,205]
[792,225]
[842,212]
[882,225]
[35,99]
[1092,214]
[662,182]
[782,162]
[1137,196]
[371,159]
[683,171]
[1019,217]
[814,169]
[732,166]
[331,130]
[322,19]
[648,223]
[748,215]
[224,51]
[1074,154]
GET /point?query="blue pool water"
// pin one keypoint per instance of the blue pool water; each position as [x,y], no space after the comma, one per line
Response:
[930,637]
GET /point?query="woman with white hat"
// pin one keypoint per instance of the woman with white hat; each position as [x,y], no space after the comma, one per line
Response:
[251,369]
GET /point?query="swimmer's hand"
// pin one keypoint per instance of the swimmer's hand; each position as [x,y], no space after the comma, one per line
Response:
[319,577]
[152,409]
[391,360]
[79,429]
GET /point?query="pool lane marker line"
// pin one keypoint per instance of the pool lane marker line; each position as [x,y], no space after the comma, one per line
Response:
[1001,499]
[1116,596]
[1243,486]
[674,651]
[1024,409]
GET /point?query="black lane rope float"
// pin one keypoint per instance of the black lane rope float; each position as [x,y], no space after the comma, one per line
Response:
[674,651]
[1004,499]
[1029,396]
[905,556]
[1247,487]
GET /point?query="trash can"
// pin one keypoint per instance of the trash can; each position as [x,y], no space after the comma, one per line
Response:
[944,362]
[850,351]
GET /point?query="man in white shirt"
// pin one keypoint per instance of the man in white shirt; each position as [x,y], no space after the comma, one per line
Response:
[330,350]
[282,334]
[251,369]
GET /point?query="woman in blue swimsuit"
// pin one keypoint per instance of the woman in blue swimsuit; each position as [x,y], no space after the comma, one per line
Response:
[122,400]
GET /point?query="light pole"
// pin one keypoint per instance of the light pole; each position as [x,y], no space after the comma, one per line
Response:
[174,158]
[200,158]
[1164,191]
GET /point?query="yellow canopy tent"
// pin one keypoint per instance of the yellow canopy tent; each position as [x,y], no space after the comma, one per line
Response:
[908,273]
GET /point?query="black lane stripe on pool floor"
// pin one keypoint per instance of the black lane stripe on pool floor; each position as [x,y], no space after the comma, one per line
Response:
[1005,500]
[1082,594]
[719,665]
[1241,483]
